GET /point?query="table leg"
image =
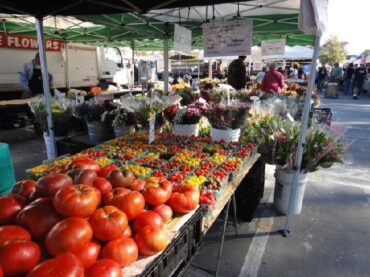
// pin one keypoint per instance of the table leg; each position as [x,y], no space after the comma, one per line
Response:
[222,237]
[235,215]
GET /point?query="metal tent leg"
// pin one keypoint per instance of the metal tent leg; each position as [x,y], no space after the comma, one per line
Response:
[235,215]
[222,237]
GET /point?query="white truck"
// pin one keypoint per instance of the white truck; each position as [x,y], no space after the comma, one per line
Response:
[75,65]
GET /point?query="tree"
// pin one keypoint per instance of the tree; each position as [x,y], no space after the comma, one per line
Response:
[333,51]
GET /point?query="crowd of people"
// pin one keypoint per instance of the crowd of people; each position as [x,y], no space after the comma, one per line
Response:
[350,79]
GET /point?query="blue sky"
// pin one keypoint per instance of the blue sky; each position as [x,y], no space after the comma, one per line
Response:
[349,21]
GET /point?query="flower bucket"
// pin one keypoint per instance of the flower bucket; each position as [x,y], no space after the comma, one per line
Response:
[186,129]
[49,148]
[283,184]
[228,135]
[124,130]
[99,132]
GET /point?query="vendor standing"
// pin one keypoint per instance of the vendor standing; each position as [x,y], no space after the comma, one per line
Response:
[31,78]
[273,80]
[237,73]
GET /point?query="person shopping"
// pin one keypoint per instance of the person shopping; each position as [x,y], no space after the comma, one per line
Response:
[237,73]
[272,81]
[359,77]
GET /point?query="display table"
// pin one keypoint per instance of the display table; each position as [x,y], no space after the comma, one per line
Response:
[228,193]
[172,261]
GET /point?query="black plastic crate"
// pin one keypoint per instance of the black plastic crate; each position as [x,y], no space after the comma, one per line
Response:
[66,146]
[180,252]
[250,192]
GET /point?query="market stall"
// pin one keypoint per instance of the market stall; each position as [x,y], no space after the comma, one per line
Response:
[204,170]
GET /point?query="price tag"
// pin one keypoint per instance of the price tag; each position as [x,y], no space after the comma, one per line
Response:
[151,128]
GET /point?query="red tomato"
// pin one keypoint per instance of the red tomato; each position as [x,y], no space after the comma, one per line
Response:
[132,204]
[13,232]
[38,217]
[158,194]
[9,208]
[48,185]
[83,163]
[164,211]
[106,170]
[85,176]
[147,218]
[79,200]
[19,256]
[107,198]
[127,232]
[124,251]
[151,240]
[108,223]
[69,235]
[185,199]
[136,185]
[24,188]
[1,271]
[89,254]
[103,185]
[66,264]
[104,268]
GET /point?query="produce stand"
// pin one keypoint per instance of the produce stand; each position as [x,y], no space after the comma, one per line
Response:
[184,232]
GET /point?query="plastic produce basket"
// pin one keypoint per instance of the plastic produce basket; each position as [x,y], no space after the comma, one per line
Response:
[7,176]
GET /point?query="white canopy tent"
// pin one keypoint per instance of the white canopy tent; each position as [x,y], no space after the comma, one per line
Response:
[296,52]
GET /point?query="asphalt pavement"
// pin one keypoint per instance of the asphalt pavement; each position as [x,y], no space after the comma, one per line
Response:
[331,237]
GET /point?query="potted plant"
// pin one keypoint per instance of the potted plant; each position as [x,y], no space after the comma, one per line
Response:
[186,120]
[227,119]
[61,120]
[98,120]
[277,140]
[123,123]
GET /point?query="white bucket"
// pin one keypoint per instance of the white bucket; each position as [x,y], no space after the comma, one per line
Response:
[49,148]
[228,135]
[124,131]
[186,129]
[283,184]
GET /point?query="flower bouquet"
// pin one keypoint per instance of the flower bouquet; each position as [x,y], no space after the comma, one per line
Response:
[62,117]
[98,119]
[227,119]
[124,122]
[187,118]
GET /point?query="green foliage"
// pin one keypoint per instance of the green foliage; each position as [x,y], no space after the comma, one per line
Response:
[332,51]
[277,141]
[61,118]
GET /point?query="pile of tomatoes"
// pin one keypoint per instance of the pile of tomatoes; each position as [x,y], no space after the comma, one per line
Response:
[87,221]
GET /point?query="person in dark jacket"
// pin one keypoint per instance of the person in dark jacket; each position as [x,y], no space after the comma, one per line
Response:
[237,73]
[348,79]
[359,77]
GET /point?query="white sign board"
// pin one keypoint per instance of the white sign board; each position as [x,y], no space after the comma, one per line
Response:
[232,38]
[182,38]
[256,55]
[273,47]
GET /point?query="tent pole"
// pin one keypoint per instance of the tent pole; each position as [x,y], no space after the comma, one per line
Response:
[45,81]
[210,68]
[302,136]
[66,65]
[165,64]
[133,62]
